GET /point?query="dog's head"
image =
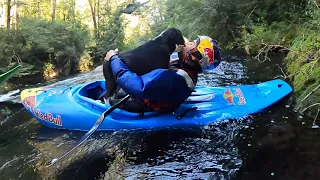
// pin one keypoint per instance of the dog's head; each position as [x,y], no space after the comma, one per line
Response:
[173,37]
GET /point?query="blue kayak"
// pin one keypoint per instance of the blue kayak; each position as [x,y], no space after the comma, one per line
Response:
[77,108]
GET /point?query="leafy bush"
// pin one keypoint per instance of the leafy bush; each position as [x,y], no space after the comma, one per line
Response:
[111,36]
[278,33]
[303,62]
[85,62]
[39,42]
[11,43]
[51,41]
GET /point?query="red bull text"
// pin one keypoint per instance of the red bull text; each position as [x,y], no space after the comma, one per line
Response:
[49,118]
[30,103]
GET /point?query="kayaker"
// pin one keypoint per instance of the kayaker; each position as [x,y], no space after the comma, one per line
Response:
[165,89]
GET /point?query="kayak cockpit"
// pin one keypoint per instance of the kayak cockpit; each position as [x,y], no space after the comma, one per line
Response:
[90,95]
[93,90]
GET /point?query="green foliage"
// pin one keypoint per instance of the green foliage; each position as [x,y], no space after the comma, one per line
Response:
[111,36]
[278,33]
[11,42]
[303,61]
[60,38]
[85,62]
[232,21]
[48,70]
[136,40]
[35,8]
[37,41]
[184,15]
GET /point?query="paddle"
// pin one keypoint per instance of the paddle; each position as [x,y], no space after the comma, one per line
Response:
[102,95]
[5,76]
[91,131]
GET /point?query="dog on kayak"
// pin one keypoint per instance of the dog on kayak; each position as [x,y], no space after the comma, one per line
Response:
[149,56]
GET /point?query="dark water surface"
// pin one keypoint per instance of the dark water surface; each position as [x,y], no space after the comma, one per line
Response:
[274,144]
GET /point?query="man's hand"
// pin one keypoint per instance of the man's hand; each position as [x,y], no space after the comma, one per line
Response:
[111,53]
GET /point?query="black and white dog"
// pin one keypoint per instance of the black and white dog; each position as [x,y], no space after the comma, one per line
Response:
[149,56]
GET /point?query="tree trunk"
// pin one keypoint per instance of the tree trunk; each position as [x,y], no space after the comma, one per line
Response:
[3,13]
[8,13]
[17,13]
[74,9]
[93,12]
[39,11]
[53,16]
[98,23]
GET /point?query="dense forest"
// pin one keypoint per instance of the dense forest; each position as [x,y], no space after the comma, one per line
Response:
[61,37]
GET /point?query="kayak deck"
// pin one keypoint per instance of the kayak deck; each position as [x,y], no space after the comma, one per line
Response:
[77,107]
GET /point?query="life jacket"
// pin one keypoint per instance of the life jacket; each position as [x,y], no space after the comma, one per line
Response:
[189,75]
[164,106]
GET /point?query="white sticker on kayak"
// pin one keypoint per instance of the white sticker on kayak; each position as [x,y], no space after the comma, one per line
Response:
[201,98]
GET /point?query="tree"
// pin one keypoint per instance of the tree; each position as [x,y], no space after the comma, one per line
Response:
[53,15]
[39,10]
[8,13]
[17,12]
[93,9]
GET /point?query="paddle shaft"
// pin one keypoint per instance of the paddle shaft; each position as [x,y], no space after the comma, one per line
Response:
[5,76]
[115,106]
[92,130]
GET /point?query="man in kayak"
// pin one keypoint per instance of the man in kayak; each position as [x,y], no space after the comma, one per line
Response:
[164,89]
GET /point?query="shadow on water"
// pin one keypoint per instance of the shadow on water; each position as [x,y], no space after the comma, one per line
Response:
[273,144]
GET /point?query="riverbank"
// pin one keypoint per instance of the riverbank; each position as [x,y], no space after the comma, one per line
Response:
[300,42]
[304,70]
[301,67]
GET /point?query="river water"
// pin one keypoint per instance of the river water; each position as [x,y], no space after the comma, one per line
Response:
[274,144]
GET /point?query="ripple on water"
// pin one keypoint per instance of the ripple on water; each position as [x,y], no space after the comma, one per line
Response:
[207,153]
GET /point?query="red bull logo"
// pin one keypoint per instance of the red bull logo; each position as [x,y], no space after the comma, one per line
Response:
[240,95]
[28,97]
[30,103]
[209,52]
[229,96]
